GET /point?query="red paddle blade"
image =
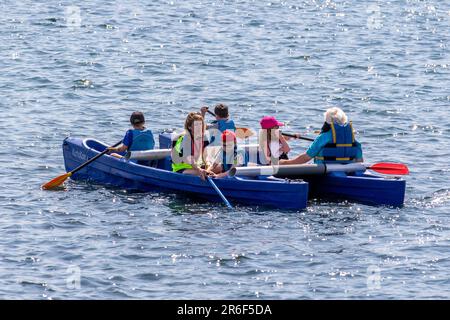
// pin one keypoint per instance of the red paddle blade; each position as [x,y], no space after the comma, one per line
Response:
[390,168]
[55,183]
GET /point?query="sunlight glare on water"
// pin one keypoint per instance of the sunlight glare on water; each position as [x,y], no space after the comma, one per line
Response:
[80,69]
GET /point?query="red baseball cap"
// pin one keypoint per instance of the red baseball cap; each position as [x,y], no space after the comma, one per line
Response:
[228,136]
[270,122]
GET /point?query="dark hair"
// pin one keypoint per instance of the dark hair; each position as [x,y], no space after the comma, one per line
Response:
[221,110]
[137,118]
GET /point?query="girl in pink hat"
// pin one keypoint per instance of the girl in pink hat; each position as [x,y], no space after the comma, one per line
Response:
[273,146]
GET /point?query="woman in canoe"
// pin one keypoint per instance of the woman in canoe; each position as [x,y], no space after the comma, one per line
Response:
[272,145]
[137,139]
[188,148]
[227,156]
[335,144]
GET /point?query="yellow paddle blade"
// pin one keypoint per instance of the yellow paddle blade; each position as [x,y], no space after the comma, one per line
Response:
[243,133]
[58,181]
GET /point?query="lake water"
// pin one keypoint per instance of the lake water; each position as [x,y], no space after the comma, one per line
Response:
[80,70]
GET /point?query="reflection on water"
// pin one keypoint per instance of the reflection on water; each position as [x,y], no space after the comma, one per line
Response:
[81,70]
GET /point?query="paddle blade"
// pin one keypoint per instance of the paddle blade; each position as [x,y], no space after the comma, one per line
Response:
[58,181]
[390,168]
[243,133]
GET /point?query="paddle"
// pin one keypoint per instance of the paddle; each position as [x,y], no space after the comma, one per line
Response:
[210,112]
[390,168]
[241,133]
[219,193]
[60,180]
[319,169]
[291,135]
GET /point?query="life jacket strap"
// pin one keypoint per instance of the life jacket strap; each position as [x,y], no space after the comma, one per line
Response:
[335,158]
[340,145]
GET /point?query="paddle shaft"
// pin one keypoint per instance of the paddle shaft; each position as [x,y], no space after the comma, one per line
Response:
[297,137]
[241,133]
[211,113]
[283,133]
[94,158]
[219,193]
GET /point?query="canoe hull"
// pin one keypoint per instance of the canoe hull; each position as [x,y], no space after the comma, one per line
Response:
[362,188]
[357,186]
[131,176]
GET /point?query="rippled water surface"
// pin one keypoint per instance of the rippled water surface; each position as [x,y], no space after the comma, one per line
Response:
[81,69]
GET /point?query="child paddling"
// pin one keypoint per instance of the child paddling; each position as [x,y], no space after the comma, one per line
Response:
[222,122]
[137,139]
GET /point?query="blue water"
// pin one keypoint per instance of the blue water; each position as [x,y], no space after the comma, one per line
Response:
[81,68]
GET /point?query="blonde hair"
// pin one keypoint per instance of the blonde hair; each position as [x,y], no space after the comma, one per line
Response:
[335,115]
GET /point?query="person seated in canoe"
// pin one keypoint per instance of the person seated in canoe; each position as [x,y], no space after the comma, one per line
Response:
[272,145]
[227,156]
[189,147]
[222,122]
[137,139]
[336,142]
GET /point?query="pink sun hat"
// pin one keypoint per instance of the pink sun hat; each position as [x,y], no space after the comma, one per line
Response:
[270,122]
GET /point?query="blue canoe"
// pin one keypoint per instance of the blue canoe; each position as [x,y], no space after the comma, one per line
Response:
[263,191]
[359,187]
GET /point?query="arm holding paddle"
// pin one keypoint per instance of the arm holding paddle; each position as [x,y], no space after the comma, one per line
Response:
[296,136]
[114,151]
[313,151]
[301,159]
[204,110]
[140,137]
[284,146]
[304,157]
[193,167]
[121,148]
[203,173]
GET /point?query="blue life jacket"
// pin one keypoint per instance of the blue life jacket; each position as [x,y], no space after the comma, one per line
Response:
[343,149]
[223,125]
[141,140]
[220,125]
